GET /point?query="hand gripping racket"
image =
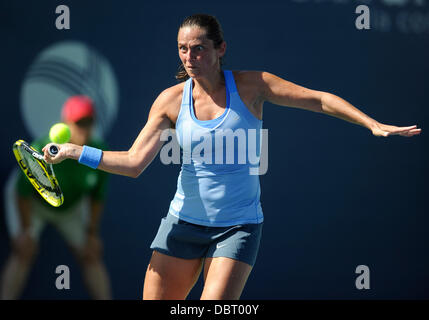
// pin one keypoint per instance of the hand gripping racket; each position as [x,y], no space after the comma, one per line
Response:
[40,173]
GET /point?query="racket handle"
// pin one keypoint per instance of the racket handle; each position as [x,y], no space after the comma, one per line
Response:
[53,150]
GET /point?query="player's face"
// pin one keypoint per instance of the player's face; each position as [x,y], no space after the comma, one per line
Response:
[81,131]
[197,52]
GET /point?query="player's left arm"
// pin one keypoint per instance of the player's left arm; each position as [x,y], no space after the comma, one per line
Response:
[284,93]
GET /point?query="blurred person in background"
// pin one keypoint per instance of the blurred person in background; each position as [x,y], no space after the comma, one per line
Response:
[77,220]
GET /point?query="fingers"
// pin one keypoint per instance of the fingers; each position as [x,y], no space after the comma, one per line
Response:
[51,158]
[408,128]
[46,156]
[407,131]
[403,131]
[411,133]
[388,130]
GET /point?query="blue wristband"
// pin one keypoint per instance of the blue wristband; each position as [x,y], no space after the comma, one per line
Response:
[90,157]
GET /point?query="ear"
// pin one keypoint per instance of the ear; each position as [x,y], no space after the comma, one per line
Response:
[222,49]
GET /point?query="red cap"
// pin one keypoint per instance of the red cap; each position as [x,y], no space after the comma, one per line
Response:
[77,107]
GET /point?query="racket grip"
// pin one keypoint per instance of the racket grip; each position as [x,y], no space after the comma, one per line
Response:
[53,150]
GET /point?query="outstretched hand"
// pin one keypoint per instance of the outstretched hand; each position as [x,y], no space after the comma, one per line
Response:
[60,156]
[384,130]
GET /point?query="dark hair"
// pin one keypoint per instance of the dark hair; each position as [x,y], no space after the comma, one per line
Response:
[213,32]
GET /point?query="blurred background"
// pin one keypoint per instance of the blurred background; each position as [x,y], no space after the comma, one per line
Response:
[334,196]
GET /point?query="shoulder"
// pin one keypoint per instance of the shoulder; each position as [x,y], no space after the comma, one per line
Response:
[168,102]
[254,81]
[250,77]
[252,86]
[265,83]
[171,95]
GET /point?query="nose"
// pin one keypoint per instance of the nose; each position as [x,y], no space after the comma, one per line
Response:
[190,55]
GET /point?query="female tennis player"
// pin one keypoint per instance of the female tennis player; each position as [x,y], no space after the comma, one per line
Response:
[215,219]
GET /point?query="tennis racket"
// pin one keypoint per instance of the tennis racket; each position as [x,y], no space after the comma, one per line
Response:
[40,173]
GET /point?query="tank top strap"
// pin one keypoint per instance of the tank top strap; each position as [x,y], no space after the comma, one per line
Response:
[230,82]
[186,96]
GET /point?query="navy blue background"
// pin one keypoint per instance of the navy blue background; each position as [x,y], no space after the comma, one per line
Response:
[334,196]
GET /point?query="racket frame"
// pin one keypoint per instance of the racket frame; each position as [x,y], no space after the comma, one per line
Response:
[55,201]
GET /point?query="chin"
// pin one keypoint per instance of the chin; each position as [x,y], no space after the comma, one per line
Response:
[192,73]
[196,74]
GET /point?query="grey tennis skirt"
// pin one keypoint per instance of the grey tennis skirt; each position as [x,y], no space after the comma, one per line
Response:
[182,239]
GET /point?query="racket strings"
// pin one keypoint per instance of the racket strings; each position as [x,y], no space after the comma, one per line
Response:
[37,171]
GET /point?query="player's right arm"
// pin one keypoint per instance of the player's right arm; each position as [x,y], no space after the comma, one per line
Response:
[144,149]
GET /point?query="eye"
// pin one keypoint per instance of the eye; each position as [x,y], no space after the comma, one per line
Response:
[200,48]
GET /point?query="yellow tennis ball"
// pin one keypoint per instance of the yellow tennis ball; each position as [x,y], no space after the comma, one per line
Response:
[59,133]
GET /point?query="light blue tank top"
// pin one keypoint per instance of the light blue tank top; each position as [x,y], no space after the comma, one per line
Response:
[216,186]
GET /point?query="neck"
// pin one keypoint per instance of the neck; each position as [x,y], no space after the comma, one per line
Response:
[211,83]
